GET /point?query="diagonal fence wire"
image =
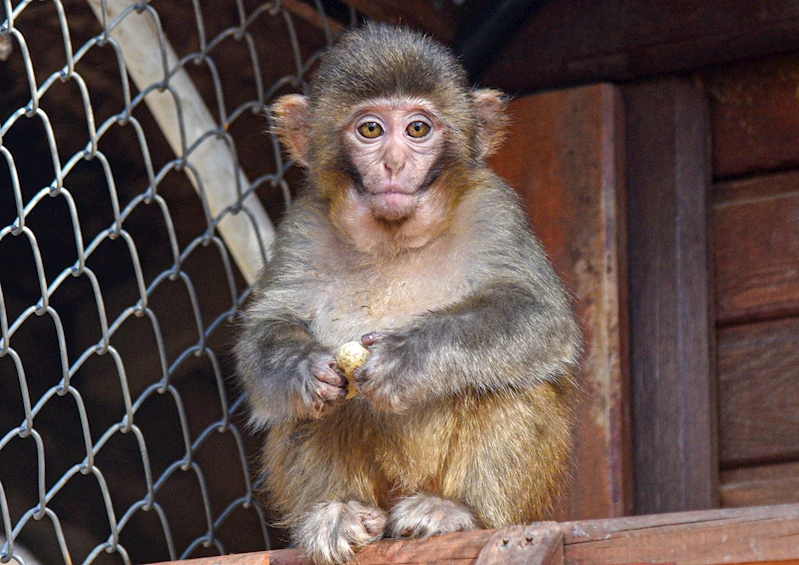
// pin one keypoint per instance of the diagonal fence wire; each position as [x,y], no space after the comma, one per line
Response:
[121,434]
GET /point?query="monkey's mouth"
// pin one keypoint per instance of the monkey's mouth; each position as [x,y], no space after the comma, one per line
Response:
[393,204]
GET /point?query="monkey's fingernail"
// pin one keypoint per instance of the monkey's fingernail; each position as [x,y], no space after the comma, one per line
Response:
[368,339]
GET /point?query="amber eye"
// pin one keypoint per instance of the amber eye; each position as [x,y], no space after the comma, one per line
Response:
[370,130]
[418,129]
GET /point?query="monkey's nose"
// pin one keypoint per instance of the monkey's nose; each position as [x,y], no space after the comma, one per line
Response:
[394,167]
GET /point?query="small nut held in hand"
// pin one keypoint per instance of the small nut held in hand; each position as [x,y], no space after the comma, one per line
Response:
[349,357]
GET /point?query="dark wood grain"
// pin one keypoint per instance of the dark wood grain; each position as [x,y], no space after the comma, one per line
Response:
[755,116]
[757,248]
[758,367]
[566,43]
[761,485]
[564,155]
[671,323]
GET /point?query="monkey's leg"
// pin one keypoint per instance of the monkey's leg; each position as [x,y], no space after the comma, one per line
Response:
[423,515]
[512,455]
[322,481]
[330,531]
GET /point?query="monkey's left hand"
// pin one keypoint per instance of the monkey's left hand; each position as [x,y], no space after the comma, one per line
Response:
[390,377]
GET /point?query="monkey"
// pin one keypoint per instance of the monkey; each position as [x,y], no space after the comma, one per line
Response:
[404,239]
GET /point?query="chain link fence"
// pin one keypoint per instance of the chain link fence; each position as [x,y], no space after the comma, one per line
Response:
[136,187]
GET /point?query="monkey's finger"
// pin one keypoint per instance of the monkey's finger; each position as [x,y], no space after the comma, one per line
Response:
[330,392]
[329,376]
[369,339]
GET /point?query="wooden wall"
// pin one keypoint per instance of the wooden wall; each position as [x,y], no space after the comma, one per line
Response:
[691,184]
[755,117]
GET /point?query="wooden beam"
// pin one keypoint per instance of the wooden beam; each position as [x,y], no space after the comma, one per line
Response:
[671,321]
[579,41]
[765,535]
[564,155]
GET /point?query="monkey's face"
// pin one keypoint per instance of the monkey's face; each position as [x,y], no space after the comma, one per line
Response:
[394,146]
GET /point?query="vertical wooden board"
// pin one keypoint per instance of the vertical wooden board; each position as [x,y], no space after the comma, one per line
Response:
[564,156]
[671,323]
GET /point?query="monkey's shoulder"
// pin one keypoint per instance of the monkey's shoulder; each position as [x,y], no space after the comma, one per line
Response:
[496,226]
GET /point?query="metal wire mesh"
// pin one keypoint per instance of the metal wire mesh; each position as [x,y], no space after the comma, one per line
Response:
[121,437]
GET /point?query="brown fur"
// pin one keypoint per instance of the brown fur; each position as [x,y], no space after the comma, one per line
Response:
[465,412]
[465,448]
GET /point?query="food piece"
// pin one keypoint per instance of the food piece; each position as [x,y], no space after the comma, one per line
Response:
[349,357]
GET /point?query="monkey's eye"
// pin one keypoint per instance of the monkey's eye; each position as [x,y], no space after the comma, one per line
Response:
[418,129]
[370,130]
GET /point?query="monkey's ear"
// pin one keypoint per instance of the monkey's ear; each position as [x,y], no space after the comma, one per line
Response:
[291,116]
[492,122]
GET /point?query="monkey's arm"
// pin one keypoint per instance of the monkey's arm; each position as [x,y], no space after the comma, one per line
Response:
[502,337]
[285,372]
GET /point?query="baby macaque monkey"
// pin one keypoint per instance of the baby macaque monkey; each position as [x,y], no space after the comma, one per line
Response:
[405,241]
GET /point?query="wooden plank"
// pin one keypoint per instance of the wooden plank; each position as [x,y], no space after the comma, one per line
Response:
[755,117]
[567,43]
[759,392]
[689,538]
[757,248]
[671,322]
[755,486]
[732,536]
[564,155]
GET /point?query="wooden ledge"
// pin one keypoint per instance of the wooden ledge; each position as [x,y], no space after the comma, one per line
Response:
[764,534]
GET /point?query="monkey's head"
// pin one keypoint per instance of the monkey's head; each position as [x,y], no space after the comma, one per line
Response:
[390,130]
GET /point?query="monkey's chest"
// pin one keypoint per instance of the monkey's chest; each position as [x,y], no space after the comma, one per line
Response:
[356,306]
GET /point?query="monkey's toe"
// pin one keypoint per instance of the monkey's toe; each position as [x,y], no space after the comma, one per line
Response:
[423,515]
[331,531]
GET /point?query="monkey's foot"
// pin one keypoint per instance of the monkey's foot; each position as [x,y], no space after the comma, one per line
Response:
[331,531]
[423,515]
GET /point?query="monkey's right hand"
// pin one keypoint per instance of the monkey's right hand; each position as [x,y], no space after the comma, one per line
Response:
[321,385]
